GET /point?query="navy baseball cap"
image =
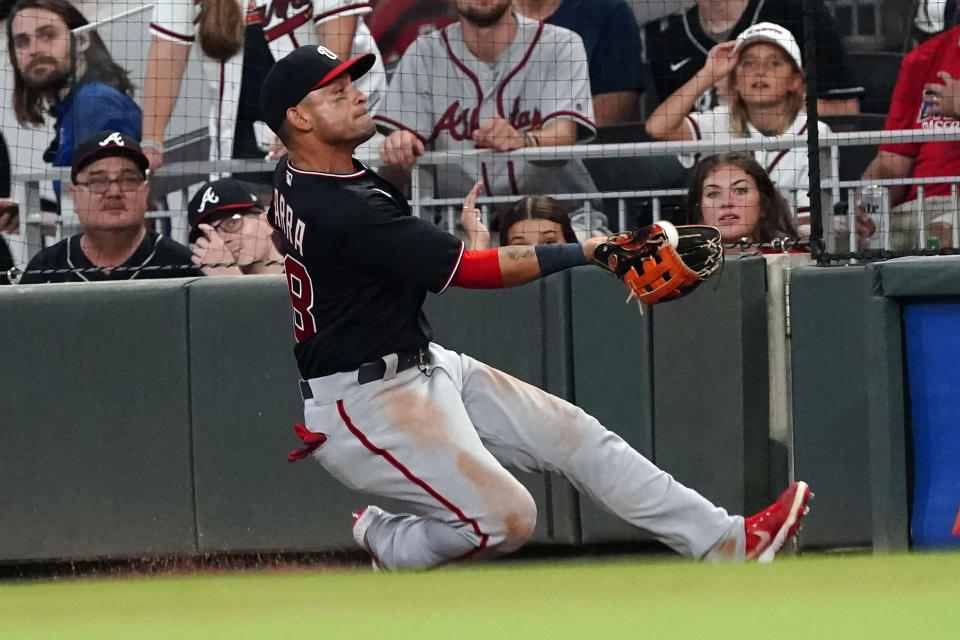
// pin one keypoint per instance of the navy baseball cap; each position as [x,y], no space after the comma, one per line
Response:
[301,71]
[215,200]
[104,145]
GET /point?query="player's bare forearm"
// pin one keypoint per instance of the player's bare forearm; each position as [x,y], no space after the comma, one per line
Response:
[520,264]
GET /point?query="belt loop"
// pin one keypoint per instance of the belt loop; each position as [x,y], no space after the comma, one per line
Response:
[305,391]
[391,360]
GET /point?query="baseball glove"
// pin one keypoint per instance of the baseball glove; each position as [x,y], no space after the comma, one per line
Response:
[662,262]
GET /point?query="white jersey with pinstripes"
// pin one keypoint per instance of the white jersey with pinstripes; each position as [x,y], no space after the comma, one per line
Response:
[788,168]
[287,24]
[442,93]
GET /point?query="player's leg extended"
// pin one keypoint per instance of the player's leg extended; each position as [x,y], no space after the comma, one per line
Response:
[527,428]
[409,438]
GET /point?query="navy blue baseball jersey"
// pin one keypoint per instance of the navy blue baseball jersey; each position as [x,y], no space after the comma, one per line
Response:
[358,266]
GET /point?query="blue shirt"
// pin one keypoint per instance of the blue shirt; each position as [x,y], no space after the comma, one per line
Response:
[612,39]
[89,109]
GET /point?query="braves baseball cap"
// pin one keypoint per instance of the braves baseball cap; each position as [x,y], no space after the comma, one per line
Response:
[104,145]
[215,200]
[301,71]
[774,34]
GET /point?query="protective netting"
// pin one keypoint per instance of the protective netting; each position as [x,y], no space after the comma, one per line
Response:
[576,118]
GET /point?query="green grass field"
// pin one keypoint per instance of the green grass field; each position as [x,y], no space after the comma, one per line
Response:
[817,596]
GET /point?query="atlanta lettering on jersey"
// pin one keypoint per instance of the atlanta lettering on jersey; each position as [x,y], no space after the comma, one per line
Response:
[460,124]
[292,228]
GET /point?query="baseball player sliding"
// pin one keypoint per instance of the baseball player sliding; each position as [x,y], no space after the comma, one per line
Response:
[393,414]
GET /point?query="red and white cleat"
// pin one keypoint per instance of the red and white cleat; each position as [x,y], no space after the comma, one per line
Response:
[361,522]
[767,531]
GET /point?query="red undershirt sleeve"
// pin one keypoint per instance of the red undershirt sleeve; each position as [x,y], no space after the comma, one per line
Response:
[479,270]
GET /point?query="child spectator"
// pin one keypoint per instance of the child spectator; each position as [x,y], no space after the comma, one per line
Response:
[227,224]
[765,77]
[529,221]
[732,192]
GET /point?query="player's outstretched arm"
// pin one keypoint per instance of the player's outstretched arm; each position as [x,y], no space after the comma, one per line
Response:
[518,264]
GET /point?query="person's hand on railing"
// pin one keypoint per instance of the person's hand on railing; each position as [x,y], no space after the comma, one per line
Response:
[944,97]
[153,149]
[498,134]
[210,249]
[478,237]
[401,149]
[9,216]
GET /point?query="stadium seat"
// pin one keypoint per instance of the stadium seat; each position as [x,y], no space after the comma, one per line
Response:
[877,72]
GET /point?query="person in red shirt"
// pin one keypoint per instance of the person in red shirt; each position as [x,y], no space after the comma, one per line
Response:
[926,97]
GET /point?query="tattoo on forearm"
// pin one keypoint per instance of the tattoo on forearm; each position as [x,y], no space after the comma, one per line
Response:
[520,253]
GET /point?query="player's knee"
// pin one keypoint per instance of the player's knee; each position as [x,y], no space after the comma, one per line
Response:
[517,522]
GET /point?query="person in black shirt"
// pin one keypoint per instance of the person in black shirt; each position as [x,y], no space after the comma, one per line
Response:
[390,413]
[676,46]
[109,192]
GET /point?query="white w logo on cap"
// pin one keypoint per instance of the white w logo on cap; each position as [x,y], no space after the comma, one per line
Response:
[114,137]
[322,50]
[209,197]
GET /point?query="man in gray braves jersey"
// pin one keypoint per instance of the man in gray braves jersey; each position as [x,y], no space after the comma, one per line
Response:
[492,80]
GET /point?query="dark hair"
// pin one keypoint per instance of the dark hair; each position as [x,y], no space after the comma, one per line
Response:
[220,28]
[29,103]
[776,219]
[533,208]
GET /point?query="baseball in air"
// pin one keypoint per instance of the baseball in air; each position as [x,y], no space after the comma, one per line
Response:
[670,230]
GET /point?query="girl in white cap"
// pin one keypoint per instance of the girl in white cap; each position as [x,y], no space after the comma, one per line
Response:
[764,75]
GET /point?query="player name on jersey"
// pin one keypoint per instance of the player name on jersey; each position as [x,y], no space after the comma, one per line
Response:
[292,228]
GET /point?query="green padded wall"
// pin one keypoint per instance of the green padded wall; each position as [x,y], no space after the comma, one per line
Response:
[523,331]
[612,379]
[711,402]
[95,421]
[831,362]
[245,398]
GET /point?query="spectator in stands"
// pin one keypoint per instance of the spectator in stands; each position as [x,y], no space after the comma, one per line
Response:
[90,94]
[239,51]
[732,192]
[529,221]
[109,192]
[933,17]
[9,213]
[227,224]
[493,80]
[614,53]
[765,76]
[926,97]
[677,45]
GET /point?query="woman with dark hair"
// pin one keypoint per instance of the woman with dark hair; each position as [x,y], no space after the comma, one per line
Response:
[732,192]
[529,221]
[85,94]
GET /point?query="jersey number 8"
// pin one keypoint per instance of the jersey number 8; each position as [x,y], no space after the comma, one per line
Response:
[301,295]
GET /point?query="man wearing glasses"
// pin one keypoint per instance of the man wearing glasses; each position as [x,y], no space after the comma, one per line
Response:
[109,191]
[228,225]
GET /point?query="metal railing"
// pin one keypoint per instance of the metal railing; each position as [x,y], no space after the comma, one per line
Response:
[26,187]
